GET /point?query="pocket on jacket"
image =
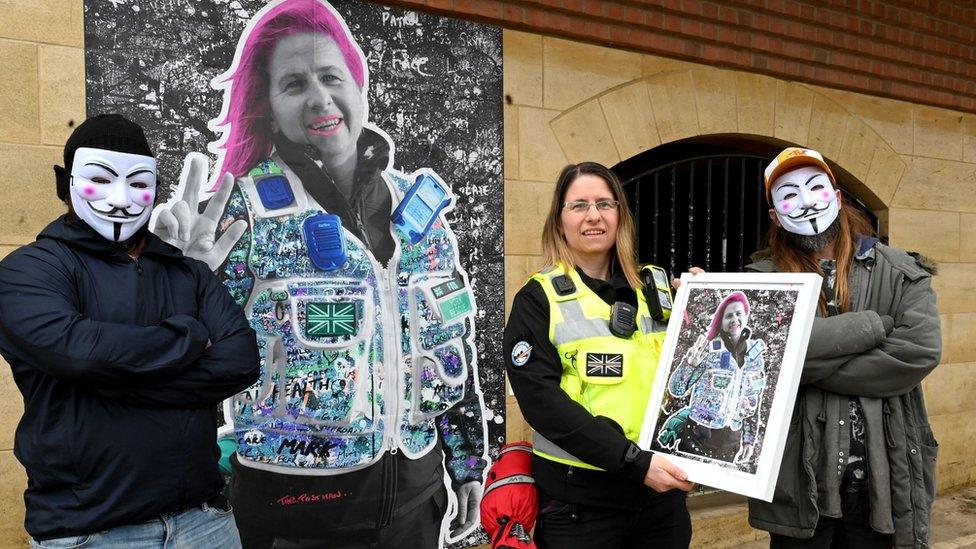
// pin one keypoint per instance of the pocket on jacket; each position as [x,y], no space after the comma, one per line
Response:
[69,542]
[930,452]
[788,483]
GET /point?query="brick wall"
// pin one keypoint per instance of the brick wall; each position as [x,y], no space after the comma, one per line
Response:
[923,51]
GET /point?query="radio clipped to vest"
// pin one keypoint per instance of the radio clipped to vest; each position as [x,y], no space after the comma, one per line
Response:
[325,241]
[657,292]
[420,207]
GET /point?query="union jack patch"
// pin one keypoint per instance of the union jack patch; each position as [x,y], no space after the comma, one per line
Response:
[331,319]
[604,365]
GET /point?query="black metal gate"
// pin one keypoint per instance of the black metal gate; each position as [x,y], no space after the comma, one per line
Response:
[706,211]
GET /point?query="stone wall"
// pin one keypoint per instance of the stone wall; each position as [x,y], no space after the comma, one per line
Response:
[42,94]
[572,101]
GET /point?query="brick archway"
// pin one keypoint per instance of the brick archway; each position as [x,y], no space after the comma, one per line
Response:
[642,114]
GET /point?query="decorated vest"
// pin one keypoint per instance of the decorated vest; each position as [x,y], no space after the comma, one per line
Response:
[725,394]
[608,375]
[356,359]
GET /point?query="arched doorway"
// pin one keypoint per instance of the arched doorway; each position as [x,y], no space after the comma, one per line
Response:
[700,201]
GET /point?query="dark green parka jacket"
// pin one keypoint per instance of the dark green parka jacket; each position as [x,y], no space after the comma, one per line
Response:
[851,355]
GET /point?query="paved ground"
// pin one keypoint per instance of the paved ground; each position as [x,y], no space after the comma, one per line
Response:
[953,522]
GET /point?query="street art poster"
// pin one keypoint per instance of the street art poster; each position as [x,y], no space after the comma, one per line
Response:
[339,166]
[728,375]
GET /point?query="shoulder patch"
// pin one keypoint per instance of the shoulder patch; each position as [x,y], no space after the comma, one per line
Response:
[521,353]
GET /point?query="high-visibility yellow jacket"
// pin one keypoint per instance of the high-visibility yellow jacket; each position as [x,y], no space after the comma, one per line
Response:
[608,375]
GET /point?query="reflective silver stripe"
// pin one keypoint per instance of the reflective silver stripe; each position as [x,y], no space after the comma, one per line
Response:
[514,479]
[646,325]
[576,326]
[546,446]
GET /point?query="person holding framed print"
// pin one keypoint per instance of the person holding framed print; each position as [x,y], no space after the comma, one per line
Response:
[859,465]
[366,426]
[724,374]
[581,350]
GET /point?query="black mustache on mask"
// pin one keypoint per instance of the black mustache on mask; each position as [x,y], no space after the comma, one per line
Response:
[124,211]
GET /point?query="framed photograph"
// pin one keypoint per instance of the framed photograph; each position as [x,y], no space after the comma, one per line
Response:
[728,375]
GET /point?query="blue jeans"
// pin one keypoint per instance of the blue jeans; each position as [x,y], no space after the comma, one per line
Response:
[200,527]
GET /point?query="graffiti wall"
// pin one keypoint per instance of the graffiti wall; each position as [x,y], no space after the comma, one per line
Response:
[339,165]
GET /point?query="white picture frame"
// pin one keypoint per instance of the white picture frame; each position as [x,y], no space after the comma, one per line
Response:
[703,404]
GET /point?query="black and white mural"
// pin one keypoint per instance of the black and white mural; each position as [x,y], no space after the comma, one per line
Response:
[339,165]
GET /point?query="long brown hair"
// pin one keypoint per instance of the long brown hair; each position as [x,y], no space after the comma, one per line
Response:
[792,259]
[554,245]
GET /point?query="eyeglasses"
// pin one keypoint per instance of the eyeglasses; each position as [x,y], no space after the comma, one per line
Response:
[582,206]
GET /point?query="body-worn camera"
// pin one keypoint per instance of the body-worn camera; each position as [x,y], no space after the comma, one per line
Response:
[657,292]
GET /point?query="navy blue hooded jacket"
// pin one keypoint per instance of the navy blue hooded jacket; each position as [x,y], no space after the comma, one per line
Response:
[122,364]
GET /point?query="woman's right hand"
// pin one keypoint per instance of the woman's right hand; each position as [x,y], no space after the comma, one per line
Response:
[181,224]
[663,475]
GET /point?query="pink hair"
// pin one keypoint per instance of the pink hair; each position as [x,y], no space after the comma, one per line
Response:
[716,324]
[246,124]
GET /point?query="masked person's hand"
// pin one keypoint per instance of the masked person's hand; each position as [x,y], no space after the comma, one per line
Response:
[194,233]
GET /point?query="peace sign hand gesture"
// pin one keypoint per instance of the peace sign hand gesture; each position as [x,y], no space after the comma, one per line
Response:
[196,233]
[697,352]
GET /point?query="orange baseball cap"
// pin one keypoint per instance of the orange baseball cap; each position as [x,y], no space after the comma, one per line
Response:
[793,157]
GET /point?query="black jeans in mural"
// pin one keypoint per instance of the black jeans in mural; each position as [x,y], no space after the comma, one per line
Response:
[717,444]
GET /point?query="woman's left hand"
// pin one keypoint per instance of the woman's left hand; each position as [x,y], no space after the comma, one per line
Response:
[676,282]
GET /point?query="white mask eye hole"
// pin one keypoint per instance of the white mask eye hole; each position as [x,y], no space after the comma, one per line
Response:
[139,185]
[100,180]
[817,187]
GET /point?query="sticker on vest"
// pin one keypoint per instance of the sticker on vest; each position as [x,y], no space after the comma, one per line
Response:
[331,319]
[521,353]
[274,191]
[604,365]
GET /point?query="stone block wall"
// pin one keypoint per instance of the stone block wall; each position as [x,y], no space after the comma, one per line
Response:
[42,95]
[571,101]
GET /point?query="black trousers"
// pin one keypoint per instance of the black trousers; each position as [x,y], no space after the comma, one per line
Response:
[419,528]
[662,523]
[718,444]
[850,531]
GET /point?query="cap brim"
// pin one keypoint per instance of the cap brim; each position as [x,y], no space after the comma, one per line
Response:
[792,163]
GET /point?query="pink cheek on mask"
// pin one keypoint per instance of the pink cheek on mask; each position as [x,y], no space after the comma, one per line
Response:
[785,206]
[826,195]
[88,191]
[147,198]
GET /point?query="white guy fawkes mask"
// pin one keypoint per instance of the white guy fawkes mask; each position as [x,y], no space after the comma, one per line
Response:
[113,192]
[805,200]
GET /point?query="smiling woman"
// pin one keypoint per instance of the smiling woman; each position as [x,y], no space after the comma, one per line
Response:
[582,348]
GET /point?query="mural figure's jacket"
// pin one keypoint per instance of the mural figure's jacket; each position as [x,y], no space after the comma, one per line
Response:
[723,394]
[332,401]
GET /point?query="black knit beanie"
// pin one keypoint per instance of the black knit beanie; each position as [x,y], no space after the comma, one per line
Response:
[111,132]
